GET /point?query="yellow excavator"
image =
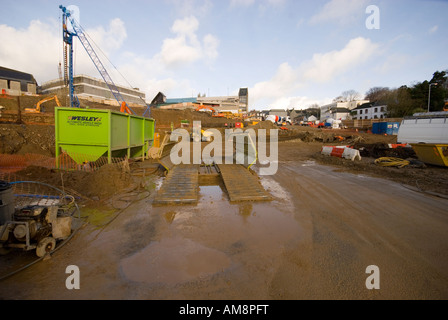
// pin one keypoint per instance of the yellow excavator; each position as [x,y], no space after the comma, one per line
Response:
[38,109]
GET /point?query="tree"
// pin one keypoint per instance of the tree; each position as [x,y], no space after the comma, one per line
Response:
[347,96]
[339,99]
[351,95]
[376,94]
[439,92]
[313,110]
[400,103]
[440,77]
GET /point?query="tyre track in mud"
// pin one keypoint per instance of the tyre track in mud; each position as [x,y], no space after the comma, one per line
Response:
[355,221]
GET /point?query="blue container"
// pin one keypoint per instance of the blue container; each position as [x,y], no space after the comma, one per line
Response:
[392,128]
[396,127]
[377,128]
[389,128]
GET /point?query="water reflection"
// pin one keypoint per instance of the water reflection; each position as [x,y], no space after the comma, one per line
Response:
[245,209]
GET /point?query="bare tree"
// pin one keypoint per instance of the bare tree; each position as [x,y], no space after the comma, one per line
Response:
[339,99]
[347,96]
[377,93]
[351,95]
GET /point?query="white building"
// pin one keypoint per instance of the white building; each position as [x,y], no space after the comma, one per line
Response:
[339,110]
[235,104]
[369,111]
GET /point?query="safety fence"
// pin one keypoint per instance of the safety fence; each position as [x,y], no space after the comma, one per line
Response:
[10,163]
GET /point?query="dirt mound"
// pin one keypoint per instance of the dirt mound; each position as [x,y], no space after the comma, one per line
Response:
[264,125]
[165,117]
[20,139]
[377,150]
[102,183]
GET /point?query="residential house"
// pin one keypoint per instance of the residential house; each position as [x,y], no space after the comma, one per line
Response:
[279,112]
[369,110]
[339,110]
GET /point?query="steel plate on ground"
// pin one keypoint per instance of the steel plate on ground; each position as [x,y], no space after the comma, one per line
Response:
[241,184]
[181,186]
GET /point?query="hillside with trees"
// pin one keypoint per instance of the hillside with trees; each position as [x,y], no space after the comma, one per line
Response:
[405,101]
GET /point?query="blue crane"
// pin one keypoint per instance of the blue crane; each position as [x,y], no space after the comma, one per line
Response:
[68,39]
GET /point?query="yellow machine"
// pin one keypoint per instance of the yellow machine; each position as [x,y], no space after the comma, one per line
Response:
[38,108]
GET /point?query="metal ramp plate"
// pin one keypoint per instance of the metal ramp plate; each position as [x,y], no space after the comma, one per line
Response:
[181,186]
[242,185]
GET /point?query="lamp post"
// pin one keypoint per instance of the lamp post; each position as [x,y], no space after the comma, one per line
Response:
[429,95]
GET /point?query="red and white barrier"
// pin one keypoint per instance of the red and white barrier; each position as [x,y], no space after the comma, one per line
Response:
[345,152]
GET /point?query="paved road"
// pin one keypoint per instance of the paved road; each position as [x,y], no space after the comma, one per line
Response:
[313,241]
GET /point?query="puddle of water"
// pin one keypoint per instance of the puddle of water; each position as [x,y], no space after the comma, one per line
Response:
[308,163]
[174,260]
[169,216]
[205,239]
[157,183]
[98,217]
[277,191]
[211,193]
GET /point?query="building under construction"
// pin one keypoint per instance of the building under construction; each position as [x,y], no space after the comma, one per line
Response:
[93,89]
[234,104]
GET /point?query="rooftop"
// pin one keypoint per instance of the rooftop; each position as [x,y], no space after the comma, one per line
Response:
[16,75]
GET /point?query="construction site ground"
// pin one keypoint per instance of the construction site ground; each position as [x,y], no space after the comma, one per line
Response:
[330,218]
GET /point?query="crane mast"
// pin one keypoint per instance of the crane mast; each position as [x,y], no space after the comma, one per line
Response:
[68,39]
[68,50]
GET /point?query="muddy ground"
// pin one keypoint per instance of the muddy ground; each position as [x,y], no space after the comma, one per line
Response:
[329,220]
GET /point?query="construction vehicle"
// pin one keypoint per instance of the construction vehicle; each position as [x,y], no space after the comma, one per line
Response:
[72,28]
[278,120]
[213,112]
[206,108]
[38,105]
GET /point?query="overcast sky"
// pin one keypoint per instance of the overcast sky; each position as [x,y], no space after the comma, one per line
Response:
[289,53]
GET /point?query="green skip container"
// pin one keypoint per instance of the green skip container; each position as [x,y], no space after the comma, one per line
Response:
[94,133]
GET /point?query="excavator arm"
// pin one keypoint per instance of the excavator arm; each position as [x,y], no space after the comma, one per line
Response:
[38,105]
[124,108]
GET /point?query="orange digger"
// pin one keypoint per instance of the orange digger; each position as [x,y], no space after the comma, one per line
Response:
[38,105]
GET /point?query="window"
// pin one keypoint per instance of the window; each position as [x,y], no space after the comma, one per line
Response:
[360,111]
[376,110]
